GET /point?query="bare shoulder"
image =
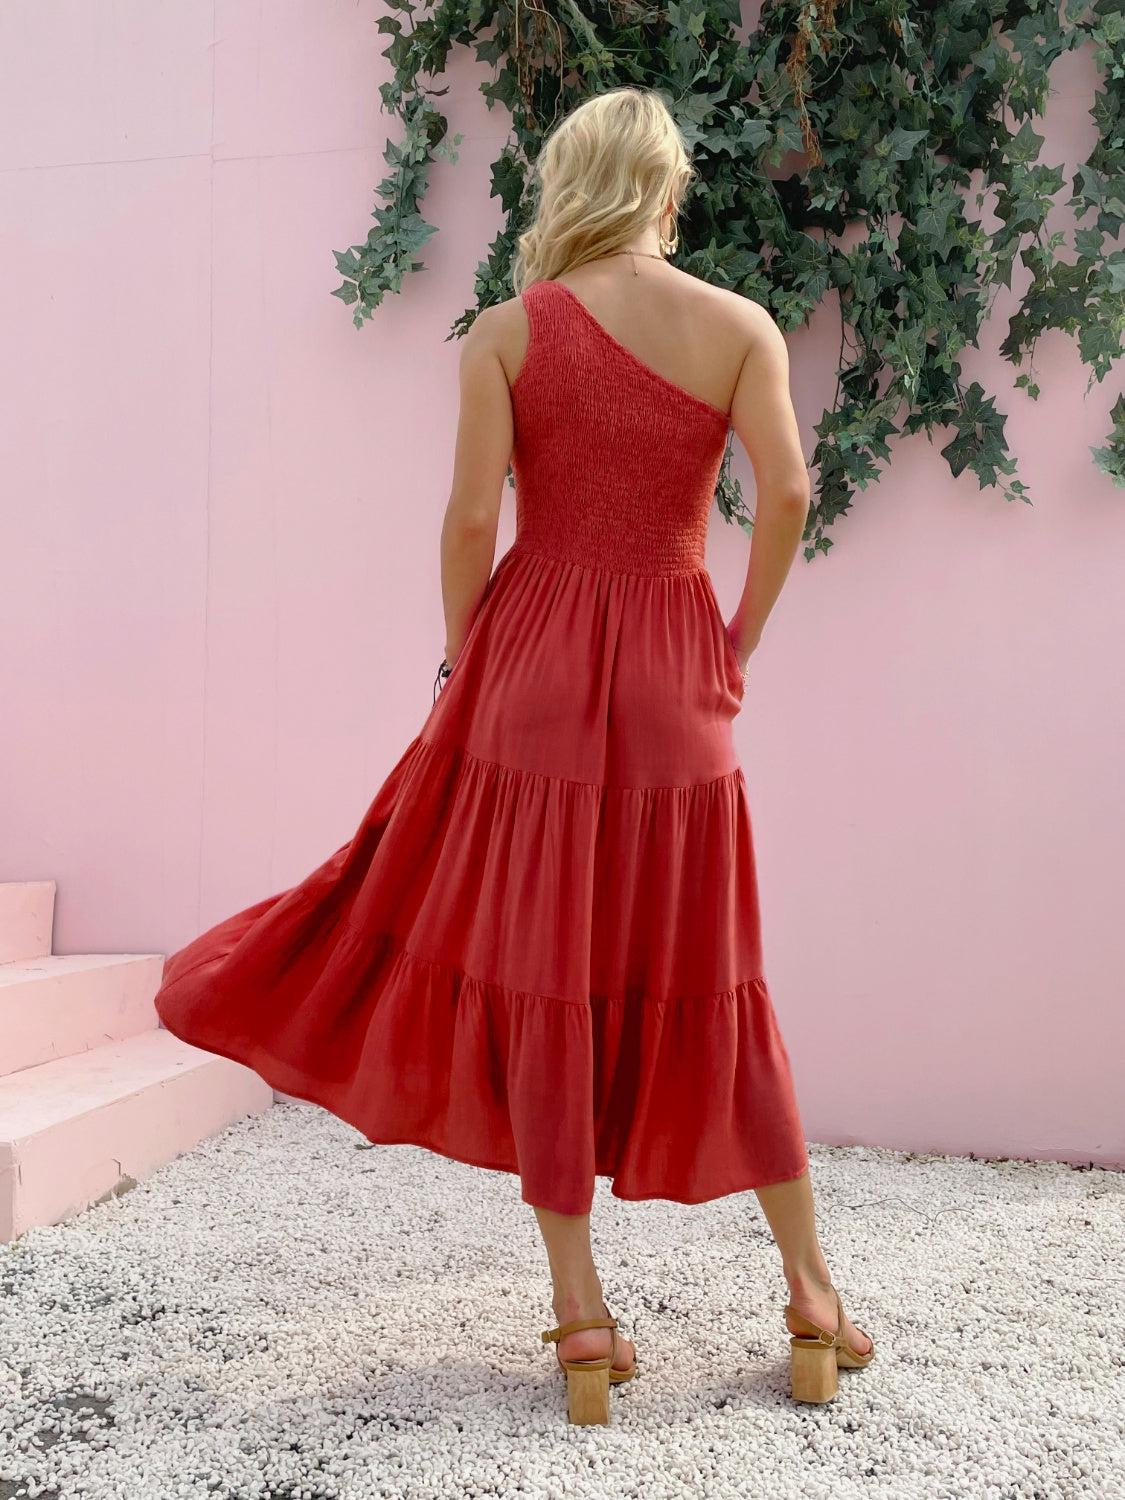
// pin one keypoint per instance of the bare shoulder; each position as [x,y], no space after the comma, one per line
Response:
[498,317]
[498,332]
[736,323]
[737,311]
[756,321]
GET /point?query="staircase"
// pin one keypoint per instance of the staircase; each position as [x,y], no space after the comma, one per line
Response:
[93,1093]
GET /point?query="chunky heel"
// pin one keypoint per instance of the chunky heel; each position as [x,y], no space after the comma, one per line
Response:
[816,1355]
[587,1392]
[588,1380]
[812,1370]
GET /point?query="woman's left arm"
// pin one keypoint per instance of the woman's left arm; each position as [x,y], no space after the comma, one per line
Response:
[480,466]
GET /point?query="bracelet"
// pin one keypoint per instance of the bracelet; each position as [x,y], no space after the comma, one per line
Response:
[442,675]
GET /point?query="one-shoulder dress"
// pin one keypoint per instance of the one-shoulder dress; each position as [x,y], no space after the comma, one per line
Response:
[540,953]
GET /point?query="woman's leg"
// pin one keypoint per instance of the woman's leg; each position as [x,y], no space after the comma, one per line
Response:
[788,1207]
[578,1288]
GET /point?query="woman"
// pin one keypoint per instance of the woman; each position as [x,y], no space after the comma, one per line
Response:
[540,952]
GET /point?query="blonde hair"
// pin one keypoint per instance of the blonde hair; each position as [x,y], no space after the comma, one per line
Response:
[606,170]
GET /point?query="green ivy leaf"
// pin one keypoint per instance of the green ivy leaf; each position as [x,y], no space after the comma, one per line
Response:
[902,144]
[1024,146]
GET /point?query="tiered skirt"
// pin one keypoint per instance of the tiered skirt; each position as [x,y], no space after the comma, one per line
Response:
[540,952]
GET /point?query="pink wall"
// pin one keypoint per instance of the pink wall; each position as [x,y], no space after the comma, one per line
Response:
[220,607]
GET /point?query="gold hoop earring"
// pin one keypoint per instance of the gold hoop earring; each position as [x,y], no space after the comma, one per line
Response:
[668,245]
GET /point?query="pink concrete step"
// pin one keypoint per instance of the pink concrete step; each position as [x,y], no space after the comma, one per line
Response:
[59,1006]
[27,914]
[74,1129]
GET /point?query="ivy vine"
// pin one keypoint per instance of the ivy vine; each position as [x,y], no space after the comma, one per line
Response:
[846,149]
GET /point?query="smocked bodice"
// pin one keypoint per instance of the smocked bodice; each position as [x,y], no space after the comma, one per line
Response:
[615,465]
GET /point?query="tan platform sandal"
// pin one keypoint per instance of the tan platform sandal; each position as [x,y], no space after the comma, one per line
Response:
[816,1357]
[588,1380]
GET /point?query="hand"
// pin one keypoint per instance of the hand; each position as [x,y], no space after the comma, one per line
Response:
[743,650]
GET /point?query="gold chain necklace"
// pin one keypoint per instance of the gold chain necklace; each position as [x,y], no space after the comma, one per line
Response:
[652,254]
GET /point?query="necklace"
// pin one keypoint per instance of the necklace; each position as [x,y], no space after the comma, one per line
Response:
[651,253]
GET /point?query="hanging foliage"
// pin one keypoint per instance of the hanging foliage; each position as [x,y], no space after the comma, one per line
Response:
[846,150]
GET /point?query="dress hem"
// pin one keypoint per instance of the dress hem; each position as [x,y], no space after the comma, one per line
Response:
[273,1073]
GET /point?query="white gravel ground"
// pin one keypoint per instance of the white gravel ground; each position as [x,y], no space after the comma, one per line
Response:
[285,1313]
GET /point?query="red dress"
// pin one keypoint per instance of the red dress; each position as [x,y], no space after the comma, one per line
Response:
[540,952]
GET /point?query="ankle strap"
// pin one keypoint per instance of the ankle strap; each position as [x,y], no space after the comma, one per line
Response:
[823,1334]
[552,1335]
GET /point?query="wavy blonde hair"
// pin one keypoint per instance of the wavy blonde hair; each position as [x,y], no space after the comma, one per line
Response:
[605,171]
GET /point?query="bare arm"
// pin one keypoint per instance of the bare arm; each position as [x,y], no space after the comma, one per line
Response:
[766,424]
[480,465]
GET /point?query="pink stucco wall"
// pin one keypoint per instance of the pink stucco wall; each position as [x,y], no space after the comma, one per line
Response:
[220,609]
